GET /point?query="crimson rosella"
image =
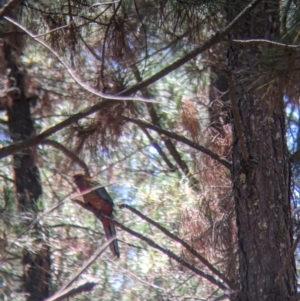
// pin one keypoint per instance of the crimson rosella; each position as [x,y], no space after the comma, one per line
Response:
[100,200]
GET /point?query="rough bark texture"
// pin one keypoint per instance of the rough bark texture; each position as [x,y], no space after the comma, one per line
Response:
[17,102]
[262,183]
[27,178]
[36,273]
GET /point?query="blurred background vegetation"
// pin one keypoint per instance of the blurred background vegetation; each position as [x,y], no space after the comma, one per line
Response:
[111,46]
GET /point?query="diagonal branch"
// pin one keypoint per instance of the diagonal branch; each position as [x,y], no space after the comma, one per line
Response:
[180,241]
[13,148]
[216,38]
[194,183]
[68,153]
[173,256]
[98,254]
[74,75]
[151,243]
[180,138]
[64,292]
[72,291]
[9,150]
[159,150]
[6,151]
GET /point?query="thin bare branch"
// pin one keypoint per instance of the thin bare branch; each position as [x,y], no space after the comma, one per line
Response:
[99,252]
[74,75]
[68,153]
[181,242]
[173,256]
[104,3]
[216,38]
[260,41]
[11,149]
[36,219]
[194,183]
[180,138]
[154,245]
[72,21]
[6,151]
[64,291]
[159,150]
[72,291]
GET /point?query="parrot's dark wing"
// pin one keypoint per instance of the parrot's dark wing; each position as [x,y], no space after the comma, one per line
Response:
[103,194]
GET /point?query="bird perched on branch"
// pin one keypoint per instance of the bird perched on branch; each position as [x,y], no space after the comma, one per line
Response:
[99,199]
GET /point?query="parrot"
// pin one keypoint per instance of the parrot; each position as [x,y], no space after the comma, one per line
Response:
[100,200]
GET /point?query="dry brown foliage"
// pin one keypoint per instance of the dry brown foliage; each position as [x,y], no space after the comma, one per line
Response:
[105,129]
[116,40]
[211,228]
[190,118]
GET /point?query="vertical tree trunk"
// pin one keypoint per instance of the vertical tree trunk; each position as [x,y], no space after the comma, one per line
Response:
[36,278]
[20,124]
[36,263]
[262,181]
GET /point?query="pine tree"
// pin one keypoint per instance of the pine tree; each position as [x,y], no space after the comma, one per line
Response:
[197,145]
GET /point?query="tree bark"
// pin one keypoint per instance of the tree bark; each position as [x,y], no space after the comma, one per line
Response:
[262,179]
[36,276]
[17,103]
[20,124]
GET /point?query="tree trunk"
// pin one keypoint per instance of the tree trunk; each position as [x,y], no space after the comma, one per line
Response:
[261,171]
[20,124]
[36,263]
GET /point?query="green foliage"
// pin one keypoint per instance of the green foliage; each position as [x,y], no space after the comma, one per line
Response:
[8,202]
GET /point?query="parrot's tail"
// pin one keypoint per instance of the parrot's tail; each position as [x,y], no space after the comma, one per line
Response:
[110,232]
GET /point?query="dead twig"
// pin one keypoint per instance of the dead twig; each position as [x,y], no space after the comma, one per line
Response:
[177,137]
